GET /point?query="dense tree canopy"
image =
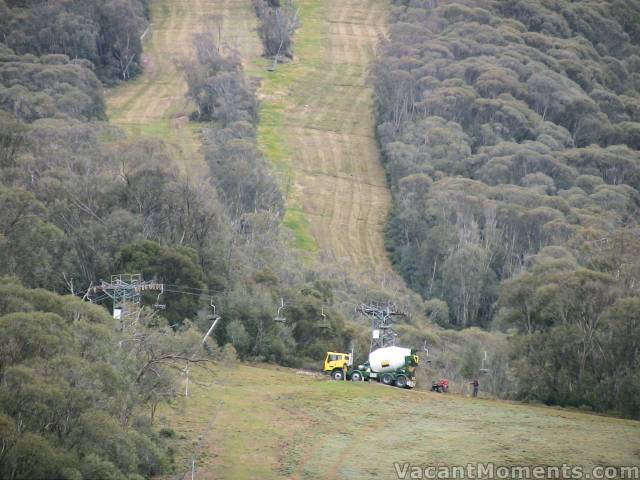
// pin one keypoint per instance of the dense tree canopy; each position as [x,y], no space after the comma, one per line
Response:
[81,201]
[510,130]
[74,394]
[277,22]
[107,34]
[49,86]
[496,138]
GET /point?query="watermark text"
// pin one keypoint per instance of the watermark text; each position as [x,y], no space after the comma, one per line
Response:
[492,471]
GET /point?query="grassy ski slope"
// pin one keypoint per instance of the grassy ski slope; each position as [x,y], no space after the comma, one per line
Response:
[279,423]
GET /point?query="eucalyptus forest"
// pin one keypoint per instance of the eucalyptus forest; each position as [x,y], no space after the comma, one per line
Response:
[509,136]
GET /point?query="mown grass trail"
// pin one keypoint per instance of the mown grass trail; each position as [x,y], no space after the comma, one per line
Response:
[154,104]
[277,423]
[317,127]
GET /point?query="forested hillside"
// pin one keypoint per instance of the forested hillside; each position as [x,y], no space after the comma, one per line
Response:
[510,132]
[77,398]
[105,33]
[80,200]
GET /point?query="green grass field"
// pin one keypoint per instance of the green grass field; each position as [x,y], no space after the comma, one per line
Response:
[264,422]
[316,128]
[155,104]
[276,88]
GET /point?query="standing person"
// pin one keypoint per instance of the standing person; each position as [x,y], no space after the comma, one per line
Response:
[476,387]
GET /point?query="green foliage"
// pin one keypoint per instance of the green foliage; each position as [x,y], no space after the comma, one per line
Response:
[49,86]
[13,135]
[470,364]
[105,34]
[238,336]
[468,91]
[73,204]
[222,94]
[509,134]
[28,243]
[217,84]
[72,382]
[33,457]
[69,387]
[93,466]
[84,202]
[579,328]
[176,266]
[437,311]
[229,355]
[250,326]
[278,21]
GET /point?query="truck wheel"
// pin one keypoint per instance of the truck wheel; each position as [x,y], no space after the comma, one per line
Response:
[337,374]
[356,376]
[401,381]
[387,379]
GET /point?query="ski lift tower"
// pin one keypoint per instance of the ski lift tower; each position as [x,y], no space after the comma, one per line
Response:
[382,318]
[125,291]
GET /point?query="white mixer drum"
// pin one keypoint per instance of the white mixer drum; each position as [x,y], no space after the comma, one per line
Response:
[388,359]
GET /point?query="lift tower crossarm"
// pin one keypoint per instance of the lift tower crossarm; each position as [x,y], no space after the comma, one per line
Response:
[381,316]
[125,292]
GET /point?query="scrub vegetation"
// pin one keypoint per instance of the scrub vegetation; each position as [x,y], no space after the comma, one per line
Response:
[510,139]
[162,138]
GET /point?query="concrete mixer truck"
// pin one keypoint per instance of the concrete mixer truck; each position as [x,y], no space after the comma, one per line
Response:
[388,365]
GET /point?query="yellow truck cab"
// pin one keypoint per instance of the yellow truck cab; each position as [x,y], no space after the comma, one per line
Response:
[337,364]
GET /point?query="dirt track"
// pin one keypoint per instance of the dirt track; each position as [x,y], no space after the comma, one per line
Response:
[154,104]
[329,128]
